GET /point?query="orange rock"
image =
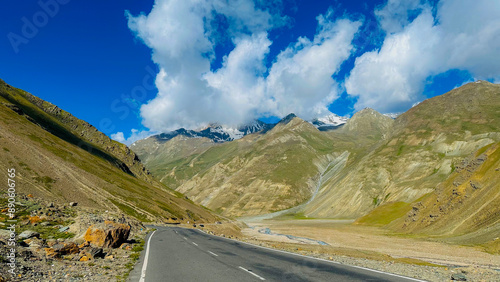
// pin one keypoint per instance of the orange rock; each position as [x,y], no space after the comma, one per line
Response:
[49,252]
[95,236]
[83,245]
[4,210]
[69,248]
[84,258]
[61,249]
[35,219]
[30,196]
[51,243]
[107,235]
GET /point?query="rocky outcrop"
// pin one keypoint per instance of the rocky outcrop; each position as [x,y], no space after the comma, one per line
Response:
[107,235]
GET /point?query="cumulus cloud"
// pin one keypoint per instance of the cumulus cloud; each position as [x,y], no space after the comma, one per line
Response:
[183,36]
[392,78]
[300,81]
[135,135]
[396,14]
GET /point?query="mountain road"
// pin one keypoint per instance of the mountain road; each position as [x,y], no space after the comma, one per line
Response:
[179,254]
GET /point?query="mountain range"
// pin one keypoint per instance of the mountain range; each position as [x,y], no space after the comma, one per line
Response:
[220,133]
[379,170]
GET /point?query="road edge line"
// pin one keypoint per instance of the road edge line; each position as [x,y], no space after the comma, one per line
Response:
[145,263]
[251,272]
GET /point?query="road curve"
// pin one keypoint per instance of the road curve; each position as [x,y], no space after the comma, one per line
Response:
[178,254]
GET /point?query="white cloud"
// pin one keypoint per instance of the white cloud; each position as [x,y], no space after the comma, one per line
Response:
[394,15]
[183,35]
[301,79]
[393,78]
[134,136]
[118,137]
[238,87]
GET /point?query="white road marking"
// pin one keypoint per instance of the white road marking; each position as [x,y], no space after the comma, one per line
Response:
[145,264]
[213,254]
[195,244]
[185,238]
[260,277]
[334,262]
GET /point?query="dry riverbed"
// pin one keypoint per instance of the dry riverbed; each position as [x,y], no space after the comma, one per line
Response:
[373,248]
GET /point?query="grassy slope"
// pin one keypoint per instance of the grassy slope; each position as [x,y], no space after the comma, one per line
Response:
[54,163]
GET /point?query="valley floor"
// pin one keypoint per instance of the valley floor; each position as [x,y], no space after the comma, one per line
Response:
[372,247]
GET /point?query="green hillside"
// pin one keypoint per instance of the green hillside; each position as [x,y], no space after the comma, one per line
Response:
[63,159]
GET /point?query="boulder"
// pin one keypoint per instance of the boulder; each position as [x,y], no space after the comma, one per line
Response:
[67,248]
[34,242]
[28,234]
[107,235]
[92,253]
[97,253]
[458,277]
[61,249]
[51,242]
[4,234]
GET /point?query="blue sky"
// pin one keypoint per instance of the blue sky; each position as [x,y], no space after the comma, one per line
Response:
[132,69]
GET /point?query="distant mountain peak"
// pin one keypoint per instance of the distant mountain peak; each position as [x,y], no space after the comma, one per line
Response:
[216,132]
[368,120]
[288,118]
[392,115]
[328,122]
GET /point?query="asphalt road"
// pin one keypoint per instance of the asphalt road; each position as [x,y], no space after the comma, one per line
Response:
[178,254]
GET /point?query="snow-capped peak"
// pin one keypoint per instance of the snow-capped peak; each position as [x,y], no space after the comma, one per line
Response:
[216,132]
[330,121]
[333,119]
[392,115]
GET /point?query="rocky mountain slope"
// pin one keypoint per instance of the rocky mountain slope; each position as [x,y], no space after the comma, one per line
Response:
[60,158]
[466,207]
[418,152]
